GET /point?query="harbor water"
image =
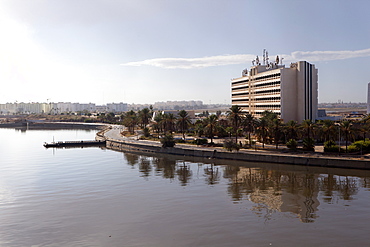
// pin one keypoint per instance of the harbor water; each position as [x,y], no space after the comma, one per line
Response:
[98,197]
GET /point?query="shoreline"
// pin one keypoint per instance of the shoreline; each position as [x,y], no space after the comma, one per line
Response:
[117,142]
[52,125]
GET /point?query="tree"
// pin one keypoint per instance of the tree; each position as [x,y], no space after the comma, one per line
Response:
[235,115]
[308,127]
[249,124]
[130,121]
[169,122]
[167,141]
[210,123]
[291,129]
[270,118]
[183,121]
[262,129]
[277,130]
[158,118]
[347,129]
[144,116]
[329,130]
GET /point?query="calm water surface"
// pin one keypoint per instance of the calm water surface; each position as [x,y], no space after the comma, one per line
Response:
[99,197]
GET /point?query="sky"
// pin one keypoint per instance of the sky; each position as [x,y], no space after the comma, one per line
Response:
[146,51]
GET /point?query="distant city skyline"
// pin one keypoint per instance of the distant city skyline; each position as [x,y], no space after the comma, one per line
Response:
[149,51]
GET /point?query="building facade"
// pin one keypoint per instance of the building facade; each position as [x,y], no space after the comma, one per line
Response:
[292,92]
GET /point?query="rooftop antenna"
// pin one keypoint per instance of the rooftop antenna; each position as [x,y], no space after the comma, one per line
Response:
[264,56]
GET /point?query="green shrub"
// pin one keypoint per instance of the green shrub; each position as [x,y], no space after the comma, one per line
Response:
[200,141]
[331,146]
[231,145]
[333,149]
[309,144]
[353,149]
[292,144]
[167,141]
[363,146]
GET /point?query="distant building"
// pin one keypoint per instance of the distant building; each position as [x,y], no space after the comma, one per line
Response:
[117,107]
[292,92]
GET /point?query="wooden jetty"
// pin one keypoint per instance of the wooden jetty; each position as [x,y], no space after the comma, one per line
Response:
[74,144]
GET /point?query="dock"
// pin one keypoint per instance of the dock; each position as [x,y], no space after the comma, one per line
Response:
[74,144]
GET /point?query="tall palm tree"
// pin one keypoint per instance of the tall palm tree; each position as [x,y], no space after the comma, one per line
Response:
[130,121]
[158,118]
[144,116]
[277,127]
[308,127]
[262,130]
[184,121]
[169,122]
[235,115]
[329,130]
[291,129]
[249,124]
[211,122]
[347,129]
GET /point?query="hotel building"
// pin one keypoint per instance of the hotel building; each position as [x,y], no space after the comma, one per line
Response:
[291,92]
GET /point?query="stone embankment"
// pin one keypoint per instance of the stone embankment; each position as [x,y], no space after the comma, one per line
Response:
[115,141]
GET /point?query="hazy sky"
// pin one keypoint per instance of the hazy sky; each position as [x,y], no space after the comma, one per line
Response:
[144,51]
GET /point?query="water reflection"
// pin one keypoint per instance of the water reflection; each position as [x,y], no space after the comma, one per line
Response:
[184,173]
[271,190]
[212,174]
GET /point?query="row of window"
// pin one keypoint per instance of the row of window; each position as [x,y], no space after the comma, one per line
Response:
[267,106]
[267,99]
[260,113]
[259,99]
[267,77]
[277,90]
[264,78]
[239,82]
[273,83]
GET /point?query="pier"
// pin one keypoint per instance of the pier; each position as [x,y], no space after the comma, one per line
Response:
[74,144]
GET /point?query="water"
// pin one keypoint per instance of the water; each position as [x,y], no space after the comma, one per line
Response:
[99,197]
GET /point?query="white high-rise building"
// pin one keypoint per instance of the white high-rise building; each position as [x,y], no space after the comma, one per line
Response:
[291,92]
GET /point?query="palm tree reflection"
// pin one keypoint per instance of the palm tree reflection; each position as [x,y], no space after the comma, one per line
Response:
[271,190]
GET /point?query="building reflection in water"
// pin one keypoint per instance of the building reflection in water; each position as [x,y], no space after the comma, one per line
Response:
[271,190]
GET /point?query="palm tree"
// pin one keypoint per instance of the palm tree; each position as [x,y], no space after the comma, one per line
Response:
[144,116]
[211,122]
[347,129]
[235,115]
[130,121]
[308,127]
[249,124]
[292,129]
[329,130]
[183,121]
[158,118]
[169,122]
[277,130]
[262,130]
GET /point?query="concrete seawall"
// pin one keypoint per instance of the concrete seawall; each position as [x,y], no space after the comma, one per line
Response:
[292,159]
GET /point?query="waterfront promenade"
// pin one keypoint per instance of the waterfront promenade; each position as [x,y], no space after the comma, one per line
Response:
[118,142]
